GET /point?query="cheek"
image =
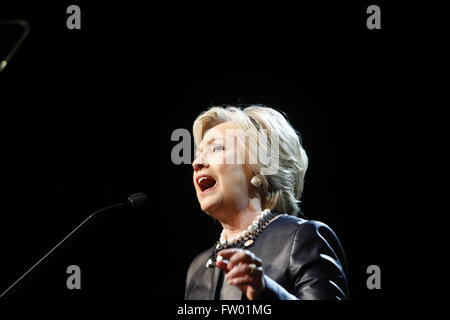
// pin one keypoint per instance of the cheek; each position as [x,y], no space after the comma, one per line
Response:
[232,178]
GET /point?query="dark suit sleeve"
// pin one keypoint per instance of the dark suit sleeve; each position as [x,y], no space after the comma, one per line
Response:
[316,266]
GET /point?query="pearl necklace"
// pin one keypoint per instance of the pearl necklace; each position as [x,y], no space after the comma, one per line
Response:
[245,239]
[244,234]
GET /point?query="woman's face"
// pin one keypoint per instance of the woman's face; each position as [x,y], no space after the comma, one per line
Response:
[221,179]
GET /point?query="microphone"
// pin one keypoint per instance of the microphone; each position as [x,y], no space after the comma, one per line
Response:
[18,42]
[135,201]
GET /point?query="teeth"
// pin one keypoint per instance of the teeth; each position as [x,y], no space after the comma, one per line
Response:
[201,179]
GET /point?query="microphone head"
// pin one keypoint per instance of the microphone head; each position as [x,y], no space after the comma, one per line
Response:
[138,200]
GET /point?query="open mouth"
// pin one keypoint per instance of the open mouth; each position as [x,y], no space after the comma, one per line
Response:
[206,182]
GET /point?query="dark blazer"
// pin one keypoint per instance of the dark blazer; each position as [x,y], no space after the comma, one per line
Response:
[302,259]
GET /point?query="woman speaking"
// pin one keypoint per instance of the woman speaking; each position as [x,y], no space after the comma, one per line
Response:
[249,171]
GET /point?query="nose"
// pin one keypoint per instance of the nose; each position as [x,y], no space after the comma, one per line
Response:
[199,163]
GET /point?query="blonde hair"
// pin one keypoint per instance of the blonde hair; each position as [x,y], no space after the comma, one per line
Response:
[282,190]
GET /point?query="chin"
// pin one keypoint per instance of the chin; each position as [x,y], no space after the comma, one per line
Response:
[209,206]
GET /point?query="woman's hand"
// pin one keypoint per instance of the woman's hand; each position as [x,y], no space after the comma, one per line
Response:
[243,270]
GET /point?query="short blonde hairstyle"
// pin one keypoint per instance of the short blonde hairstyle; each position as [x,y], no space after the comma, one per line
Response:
[281,191]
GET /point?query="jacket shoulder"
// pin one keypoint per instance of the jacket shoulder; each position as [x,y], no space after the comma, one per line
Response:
[304,226]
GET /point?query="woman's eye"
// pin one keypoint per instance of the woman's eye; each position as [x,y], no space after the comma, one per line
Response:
[218,147]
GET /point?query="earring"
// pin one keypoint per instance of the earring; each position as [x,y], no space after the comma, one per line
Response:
[256,181]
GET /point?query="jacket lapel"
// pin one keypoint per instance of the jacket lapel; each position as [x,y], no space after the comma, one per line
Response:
[214,281]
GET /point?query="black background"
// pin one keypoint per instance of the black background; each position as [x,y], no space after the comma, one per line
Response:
[87,117]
